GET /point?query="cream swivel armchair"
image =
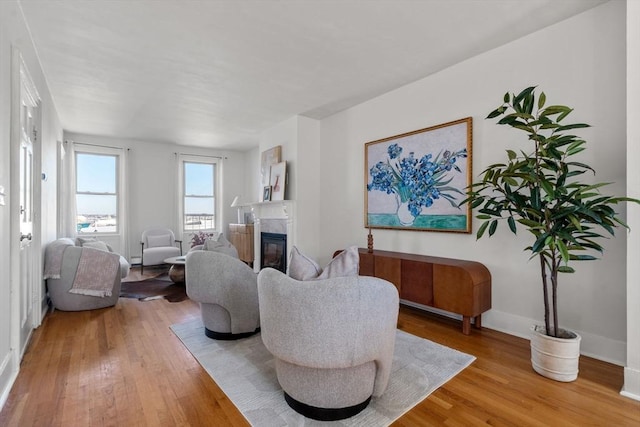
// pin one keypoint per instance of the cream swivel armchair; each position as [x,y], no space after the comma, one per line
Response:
[227,291]
[158,244]
[332,339]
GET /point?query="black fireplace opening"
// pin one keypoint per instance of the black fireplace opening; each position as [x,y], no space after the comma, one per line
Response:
[273,251]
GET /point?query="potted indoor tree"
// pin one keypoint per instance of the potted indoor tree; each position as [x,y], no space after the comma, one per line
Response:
[539,188]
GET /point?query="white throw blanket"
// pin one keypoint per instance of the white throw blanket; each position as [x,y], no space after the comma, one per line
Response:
[53,258]
[97,271]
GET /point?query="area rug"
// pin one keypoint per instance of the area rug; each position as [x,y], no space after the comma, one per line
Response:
[153,288]
[245,371]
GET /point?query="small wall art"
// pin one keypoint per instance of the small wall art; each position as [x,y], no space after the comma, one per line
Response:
[266,193]
[416,180]
[278,180]
[267,158]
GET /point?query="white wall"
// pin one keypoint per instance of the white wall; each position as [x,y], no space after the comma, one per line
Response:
[252,191]
[299,138]
[632,369]
[14,35]
[284,134]
[308,180]
[7,371]
[153,185]
[579,62]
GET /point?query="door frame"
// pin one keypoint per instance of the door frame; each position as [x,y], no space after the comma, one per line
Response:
[20,75]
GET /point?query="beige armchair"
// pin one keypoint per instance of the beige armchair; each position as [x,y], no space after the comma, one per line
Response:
[227,291]
[157,245]
[332,339]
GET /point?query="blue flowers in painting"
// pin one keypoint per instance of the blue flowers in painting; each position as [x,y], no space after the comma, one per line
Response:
[419,182]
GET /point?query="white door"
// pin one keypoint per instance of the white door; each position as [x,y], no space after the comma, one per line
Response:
[27,293]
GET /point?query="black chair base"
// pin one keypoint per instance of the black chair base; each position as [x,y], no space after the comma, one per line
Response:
[325,414]
[228,336]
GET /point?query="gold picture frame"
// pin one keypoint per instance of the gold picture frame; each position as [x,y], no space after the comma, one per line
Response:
[416,180]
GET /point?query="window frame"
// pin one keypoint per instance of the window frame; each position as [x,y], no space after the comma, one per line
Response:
[182,196]
[82,149]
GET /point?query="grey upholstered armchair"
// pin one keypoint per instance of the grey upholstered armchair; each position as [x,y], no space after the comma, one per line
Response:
[227,291]
[333,340]
[158,244]
[65,267]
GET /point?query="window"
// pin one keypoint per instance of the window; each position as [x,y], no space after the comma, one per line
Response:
[199,195]
[97,198]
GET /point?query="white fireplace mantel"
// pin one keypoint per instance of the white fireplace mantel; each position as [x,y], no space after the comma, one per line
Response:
[272,217]
[281,209]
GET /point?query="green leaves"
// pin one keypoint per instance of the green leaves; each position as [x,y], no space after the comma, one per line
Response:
[548,188]
[573,126]
[541,100]
[523,95]
[482,229]
[495,113]
[493,225]
[538,187]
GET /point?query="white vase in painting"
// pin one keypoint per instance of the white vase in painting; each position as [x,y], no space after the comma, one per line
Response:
[405,216]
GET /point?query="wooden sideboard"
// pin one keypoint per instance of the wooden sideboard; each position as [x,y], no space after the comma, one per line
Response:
[453,285]
[241,236]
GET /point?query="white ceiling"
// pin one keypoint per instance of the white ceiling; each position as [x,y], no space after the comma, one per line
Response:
[218,73]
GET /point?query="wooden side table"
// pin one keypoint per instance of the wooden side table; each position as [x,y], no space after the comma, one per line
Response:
[241,236]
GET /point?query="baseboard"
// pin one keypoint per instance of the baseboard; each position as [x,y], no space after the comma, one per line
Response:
[596,346]
[8,375]
[7,378]
[631,388]
[44,309]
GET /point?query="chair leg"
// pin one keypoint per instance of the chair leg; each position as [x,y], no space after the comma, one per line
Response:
[141,258]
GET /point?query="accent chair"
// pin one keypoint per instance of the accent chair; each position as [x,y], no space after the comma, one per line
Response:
[332,339]
[158,244]
[227,291]
[62,269]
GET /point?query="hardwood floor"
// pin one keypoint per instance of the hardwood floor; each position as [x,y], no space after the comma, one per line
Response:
[123,366]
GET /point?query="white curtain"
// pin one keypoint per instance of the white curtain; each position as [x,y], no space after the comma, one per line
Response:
[124,203]
[67,199]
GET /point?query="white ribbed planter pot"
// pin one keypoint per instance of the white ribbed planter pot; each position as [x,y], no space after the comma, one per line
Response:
[555,358]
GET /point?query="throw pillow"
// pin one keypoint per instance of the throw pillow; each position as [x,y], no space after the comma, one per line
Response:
[216,242]
[80,241]
[345,264]
[101,246]
[301,267]
[220,244]
[159,240]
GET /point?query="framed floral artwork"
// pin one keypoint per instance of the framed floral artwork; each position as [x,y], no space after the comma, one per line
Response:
[416,181]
